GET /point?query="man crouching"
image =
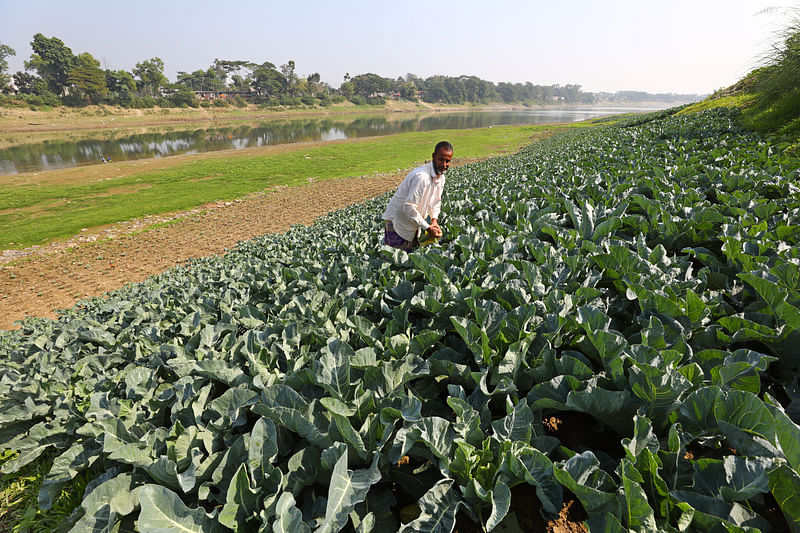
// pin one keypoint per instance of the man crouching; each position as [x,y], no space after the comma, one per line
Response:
[416,199]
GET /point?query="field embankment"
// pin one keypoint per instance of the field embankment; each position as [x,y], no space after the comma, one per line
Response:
[769,96]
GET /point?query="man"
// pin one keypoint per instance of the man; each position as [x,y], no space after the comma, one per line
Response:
[418,197]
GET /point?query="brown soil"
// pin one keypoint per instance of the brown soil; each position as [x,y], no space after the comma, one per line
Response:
[103,259]
[525,505]
[570,519]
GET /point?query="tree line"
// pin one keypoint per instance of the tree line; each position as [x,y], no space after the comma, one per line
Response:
[54,75]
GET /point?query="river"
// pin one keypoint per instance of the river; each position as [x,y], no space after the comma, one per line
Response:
[123,146]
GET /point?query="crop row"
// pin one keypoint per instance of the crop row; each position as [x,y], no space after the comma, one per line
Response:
[612,317]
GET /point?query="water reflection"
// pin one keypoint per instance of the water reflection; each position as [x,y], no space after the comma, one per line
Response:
[119,147]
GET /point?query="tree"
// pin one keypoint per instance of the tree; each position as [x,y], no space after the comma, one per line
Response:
[455,90]
[88,80]
[435,89]
[267,81]
[202,80]
[240,83]
[508,92]
[369,84]
[347,90]
[314,86]
[53,61]
[26,83]
[476,89]
[408,91]
[289,78]
[5,78]
[225,68]
[121,86]
[150,74]
[568,93]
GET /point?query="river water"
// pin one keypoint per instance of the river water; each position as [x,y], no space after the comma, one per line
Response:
[122,146]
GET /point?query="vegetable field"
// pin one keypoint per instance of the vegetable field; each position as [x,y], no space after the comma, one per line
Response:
[612,317]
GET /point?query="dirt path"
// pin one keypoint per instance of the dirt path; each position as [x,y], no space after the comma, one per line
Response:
[55,277]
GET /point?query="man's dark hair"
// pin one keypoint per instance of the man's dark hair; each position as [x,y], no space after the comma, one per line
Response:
[443,145]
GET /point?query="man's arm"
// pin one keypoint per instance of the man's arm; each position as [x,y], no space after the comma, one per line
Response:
[435,210]
[412,201]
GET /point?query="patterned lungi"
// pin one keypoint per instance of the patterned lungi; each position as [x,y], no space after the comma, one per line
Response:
[391,238]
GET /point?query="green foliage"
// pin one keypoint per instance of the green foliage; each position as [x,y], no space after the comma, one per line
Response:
[777,114]
[366,85]
[34,101]
[777,85]
[201,80]
[88,80]
[738,101]
[151,78]
[19,493]
[53,61]
[121,87]
[267,84]
[147,102]
[5,51]
[28,84]
[183,97]
[637,282]
[267,81]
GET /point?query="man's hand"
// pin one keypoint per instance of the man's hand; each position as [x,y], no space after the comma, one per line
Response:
[435,229]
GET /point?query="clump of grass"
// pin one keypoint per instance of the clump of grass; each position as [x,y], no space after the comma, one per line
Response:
[19,493]
[770,94]
[738,101]
[776,106]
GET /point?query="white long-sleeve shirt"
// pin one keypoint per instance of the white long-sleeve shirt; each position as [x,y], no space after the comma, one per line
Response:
[419,196]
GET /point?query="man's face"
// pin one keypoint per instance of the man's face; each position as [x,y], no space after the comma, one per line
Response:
[441,160]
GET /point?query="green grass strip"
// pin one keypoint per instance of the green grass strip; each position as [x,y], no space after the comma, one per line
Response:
[58,211]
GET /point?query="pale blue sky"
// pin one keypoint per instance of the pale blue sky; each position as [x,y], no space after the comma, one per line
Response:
[686,46]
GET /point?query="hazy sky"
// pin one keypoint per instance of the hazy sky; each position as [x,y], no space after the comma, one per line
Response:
[684,46]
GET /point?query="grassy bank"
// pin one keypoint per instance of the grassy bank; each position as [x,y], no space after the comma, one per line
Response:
[46,206]
[768,96]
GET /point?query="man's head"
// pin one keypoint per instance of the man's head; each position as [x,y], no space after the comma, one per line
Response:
[442,155]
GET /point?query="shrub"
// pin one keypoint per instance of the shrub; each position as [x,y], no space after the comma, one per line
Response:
[45,99]
[290,101]
[143,102]
[183,97]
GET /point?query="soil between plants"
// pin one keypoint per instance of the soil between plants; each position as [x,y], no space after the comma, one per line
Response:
[42,280]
